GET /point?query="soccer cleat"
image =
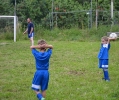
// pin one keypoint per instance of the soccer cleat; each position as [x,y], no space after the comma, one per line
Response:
[42,98]
[107,80]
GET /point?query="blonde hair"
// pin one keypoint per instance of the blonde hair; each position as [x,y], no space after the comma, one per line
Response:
[105,38]
[41,42]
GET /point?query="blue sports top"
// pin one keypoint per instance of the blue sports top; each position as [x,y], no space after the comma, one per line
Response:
[30,25]
[42,59]
[103,53]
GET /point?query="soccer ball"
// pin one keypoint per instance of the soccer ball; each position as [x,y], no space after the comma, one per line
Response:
[113,35]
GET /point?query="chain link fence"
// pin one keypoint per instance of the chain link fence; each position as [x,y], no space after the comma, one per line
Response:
[81,19]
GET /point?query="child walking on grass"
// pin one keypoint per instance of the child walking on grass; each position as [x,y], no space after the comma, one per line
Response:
[41,76]
[103,56]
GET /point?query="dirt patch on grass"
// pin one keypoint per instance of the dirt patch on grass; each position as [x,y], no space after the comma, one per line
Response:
[76,72]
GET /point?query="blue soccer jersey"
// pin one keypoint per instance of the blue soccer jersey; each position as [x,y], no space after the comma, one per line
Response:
[103,53]
[41,76]
[30,25]
[42,59]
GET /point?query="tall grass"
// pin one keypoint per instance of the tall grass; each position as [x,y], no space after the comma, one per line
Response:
[73,34]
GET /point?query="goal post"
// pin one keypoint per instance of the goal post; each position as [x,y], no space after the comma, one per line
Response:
[14,26]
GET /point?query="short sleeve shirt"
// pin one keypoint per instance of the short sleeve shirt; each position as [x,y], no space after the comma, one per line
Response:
[42,59]
[30,25]
[103,53]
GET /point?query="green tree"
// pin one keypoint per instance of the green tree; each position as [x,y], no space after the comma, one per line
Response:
[40,11]
[6,8]
[35,9]
[116,4]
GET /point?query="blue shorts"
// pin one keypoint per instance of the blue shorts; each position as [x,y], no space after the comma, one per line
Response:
[30,35]
[103,63]
[40,80]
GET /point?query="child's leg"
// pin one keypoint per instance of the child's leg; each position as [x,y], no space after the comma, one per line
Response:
[36,84]
[39,95]
[43,93]
[44,83]
[106,74]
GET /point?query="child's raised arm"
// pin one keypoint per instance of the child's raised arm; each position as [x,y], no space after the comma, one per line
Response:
[41,46]
[35,47]
[48,46]
[111,39]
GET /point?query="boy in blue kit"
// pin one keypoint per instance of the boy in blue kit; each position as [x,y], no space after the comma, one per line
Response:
[103,56]
[30,30]
[41,76]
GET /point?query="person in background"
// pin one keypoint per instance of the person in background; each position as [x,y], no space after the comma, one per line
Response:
[30,30]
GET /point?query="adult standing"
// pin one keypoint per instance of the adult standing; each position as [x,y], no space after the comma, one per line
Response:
[30,30]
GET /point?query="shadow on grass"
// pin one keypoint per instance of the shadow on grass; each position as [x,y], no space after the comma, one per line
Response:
[115,95]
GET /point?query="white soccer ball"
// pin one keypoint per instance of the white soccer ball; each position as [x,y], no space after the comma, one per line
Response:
[113,35]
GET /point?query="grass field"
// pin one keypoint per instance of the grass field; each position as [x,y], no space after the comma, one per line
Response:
[74,74]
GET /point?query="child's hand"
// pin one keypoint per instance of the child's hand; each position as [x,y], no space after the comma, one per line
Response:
[43,46]
[31,47]
[112,39]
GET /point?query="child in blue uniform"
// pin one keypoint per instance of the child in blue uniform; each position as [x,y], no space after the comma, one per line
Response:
[103,56]
[41,76]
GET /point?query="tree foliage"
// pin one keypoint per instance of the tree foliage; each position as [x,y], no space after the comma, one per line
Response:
[6,8]
[40,11]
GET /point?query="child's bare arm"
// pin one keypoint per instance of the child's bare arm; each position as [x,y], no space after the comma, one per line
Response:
[111,39]
[41,46]
[48,46]
[35,47]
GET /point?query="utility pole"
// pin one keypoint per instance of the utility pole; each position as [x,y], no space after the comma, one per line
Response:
[112,11]
[96,19]
[52,12]
[15,8]
[91,15]
[15,21]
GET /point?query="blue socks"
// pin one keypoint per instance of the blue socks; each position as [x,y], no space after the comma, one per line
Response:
[39,96]
[106,75]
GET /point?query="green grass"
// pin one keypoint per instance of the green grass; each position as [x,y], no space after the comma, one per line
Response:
[74,74]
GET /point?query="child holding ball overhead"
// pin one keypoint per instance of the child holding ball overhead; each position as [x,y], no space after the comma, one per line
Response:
[103,56]
[41,76]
